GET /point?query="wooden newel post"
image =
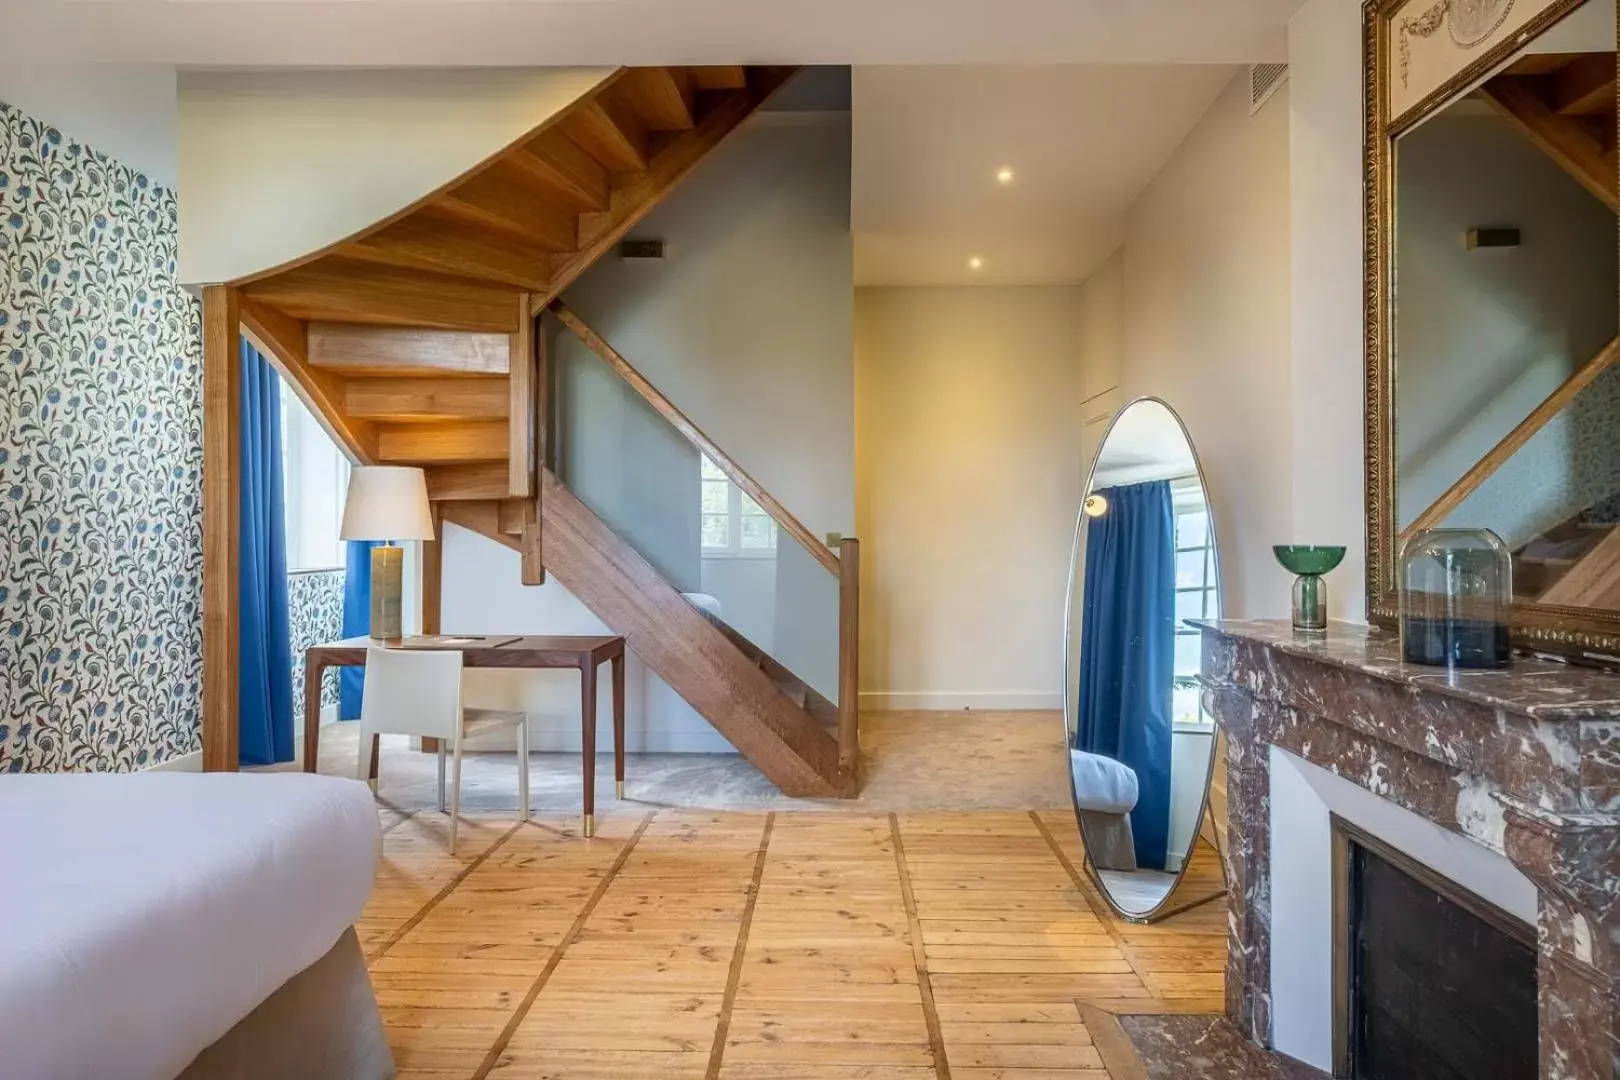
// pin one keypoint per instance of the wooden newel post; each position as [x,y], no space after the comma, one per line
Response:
[221,484]
[849,661]
[524,423]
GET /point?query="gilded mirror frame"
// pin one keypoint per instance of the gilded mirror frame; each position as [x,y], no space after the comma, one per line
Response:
[1170,904]
[1582,633]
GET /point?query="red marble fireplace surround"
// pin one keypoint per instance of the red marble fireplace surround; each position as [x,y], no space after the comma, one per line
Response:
[1541,738]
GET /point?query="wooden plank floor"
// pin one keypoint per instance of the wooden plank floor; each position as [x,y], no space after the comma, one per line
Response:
[685,945]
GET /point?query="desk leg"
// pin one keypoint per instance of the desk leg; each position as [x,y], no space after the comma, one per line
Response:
[587,734]
[313,670]
[618,725]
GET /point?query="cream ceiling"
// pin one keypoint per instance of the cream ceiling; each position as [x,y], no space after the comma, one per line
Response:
[588,32]
[1083,140]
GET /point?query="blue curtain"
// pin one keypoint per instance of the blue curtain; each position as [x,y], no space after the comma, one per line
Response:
[356,622]
[1127,650]
[264,688]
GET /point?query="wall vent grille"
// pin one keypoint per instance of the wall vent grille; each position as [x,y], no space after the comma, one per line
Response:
[1264,79]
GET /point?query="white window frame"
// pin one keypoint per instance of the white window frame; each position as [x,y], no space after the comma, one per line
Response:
[734,518]
[1209,586]
[299,430]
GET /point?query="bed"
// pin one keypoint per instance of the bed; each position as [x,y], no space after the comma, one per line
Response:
[161,925]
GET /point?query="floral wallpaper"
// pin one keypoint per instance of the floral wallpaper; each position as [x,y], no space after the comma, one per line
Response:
[100,464]
[315,615]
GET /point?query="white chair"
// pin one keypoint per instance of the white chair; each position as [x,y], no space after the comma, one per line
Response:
[418,692]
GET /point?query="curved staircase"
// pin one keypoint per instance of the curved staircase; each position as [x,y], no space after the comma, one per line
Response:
[418,342]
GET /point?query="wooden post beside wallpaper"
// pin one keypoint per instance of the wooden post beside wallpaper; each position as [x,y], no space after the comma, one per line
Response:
[222,467]
[849,663]
[523,425]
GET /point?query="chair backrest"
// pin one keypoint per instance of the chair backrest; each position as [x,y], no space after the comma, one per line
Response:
[412,692]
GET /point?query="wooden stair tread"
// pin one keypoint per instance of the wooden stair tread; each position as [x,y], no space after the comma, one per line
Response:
[414,399]
[443,442]
[344,290]
[663,97]
[362,349]
[611,133]
[468,481]
[565,170]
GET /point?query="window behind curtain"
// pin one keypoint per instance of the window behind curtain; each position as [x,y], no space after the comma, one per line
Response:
[733,523]
[1196,597]
[316,477]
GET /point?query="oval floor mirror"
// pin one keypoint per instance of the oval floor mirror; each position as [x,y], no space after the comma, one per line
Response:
[1142,750]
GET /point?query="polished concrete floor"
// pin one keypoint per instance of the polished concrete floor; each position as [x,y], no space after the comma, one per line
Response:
[912,761]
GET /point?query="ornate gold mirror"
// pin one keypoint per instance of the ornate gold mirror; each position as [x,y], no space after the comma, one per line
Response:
[1493,301]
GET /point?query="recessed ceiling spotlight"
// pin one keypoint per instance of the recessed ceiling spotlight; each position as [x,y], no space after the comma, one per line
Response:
[1004,175]
[975,263]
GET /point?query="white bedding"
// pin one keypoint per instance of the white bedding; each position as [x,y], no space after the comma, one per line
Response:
[142,915]
[1102,784]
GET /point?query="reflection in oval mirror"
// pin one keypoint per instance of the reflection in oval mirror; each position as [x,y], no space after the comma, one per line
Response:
[1141,747]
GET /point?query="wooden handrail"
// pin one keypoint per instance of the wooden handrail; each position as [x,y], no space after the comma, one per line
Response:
[849,662]
[666,408]
[1511,443]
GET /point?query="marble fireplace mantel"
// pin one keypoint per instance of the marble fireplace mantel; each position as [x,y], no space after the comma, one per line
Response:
[1525,762]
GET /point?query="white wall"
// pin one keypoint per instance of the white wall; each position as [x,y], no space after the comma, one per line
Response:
[1102,328]
[1204,305]
[746,589]
[275,165]
[968,451]
[1189,768]
[481,595]
[126,111]
[635,471]
[1325,336]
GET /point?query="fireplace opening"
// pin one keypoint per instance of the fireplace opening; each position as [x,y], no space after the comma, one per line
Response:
[1432,982]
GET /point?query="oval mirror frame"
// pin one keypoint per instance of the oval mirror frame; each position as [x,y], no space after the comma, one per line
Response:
[1169,904]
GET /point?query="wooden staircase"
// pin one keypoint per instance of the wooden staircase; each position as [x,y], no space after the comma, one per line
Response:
[1574,564]
[416,343]
[760,711]
[1564,104]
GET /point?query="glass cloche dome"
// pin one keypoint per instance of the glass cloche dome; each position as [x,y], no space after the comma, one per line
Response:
[1456,598]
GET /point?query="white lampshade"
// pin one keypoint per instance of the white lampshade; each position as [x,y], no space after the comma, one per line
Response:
[387,502]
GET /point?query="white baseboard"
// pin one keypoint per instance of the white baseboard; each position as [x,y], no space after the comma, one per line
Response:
[959,701]
[551,737]
[191,762]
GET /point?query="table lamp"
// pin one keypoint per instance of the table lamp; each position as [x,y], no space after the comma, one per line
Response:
[387,503]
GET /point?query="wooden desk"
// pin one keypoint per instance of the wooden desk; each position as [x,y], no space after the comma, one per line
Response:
[498,651]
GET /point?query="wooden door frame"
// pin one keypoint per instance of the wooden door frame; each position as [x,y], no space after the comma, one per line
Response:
[221,486]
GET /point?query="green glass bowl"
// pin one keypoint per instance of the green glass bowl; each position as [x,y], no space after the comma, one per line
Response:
[1308,558]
